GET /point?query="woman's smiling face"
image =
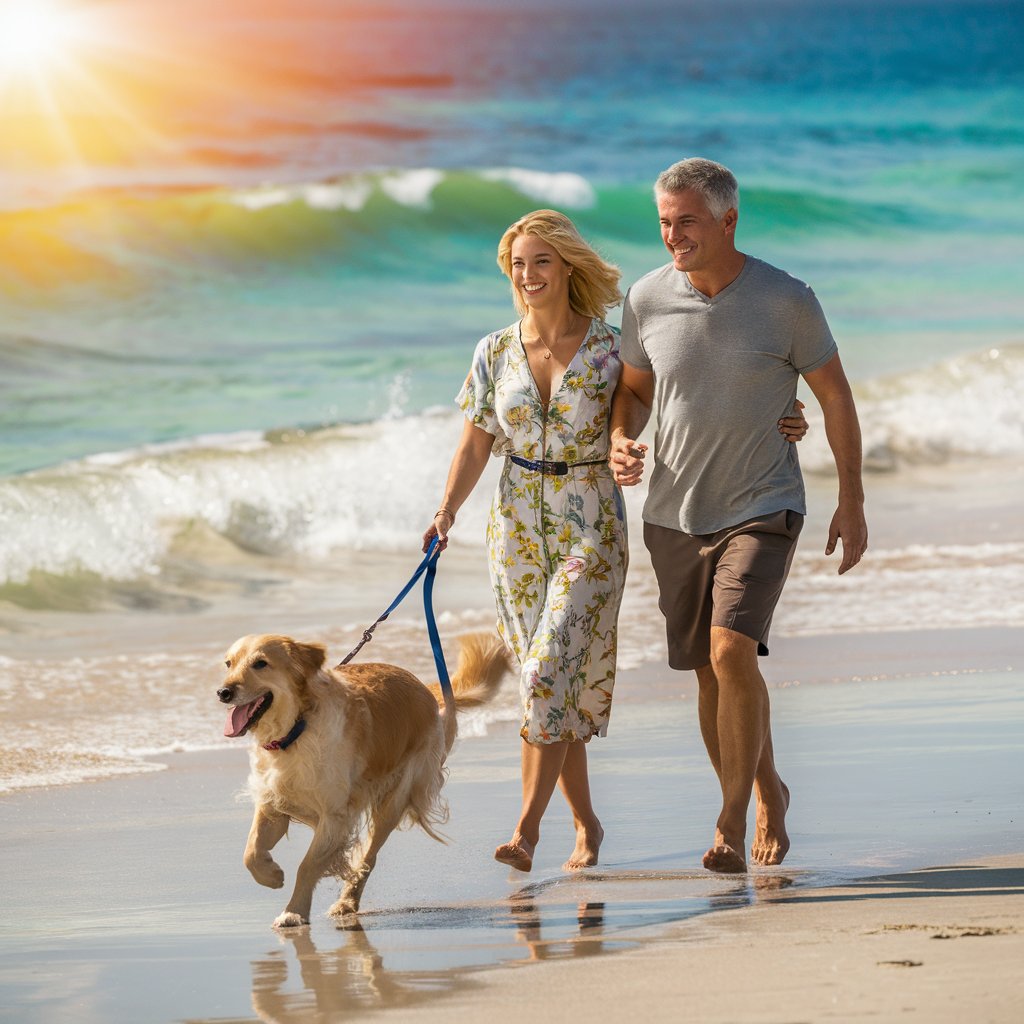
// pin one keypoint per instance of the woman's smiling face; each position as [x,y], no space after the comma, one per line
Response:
[539,274]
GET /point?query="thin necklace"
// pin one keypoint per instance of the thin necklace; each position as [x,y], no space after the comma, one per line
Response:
[569,330]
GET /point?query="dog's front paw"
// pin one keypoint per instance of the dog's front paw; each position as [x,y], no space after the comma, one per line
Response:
[345,907]
[266,871]
[289,919]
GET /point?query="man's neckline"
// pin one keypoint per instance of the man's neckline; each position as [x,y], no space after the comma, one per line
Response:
[710,299]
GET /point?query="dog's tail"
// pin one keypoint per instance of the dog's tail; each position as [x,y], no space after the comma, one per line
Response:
[483,661]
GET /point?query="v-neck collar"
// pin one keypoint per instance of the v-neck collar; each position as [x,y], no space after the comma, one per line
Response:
[561,380]
[710,300]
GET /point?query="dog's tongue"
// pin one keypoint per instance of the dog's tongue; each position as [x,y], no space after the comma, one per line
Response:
[238,717]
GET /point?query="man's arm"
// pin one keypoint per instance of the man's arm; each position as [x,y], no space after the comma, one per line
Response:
[832,390]
[631,409]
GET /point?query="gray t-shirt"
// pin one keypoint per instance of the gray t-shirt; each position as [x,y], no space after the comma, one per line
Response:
[725,371]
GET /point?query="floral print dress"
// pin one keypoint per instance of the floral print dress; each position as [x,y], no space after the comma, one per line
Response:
[556,544]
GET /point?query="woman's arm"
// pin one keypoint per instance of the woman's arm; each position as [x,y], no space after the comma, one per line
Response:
[468,463]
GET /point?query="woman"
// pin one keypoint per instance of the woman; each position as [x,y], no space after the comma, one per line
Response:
[539,393]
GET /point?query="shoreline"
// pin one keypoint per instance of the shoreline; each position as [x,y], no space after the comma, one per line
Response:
[132,904]
[834,659]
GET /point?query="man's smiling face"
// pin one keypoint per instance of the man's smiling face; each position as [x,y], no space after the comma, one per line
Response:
[697,240]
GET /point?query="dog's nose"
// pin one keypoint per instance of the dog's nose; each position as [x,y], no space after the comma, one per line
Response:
[226,693]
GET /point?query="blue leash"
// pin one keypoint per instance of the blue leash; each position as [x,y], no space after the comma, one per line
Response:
[429,566]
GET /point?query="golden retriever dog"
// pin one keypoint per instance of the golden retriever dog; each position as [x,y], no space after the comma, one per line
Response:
[337,749]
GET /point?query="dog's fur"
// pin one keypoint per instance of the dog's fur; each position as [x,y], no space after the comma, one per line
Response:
[372,753]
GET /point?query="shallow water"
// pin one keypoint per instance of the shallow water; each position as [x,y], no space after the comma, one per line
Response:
[131,902]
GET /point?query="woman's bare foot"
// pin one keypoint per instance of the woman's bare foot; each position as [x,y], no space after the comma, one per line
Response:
[517,853]
[724,857]
[771,842]
[588,844]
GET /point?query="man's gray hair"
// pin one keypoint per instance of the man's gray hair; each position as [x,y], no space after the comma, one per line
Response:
[715,183]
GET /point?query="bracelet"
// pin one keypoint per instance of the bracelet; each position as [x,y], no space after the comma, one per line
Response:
[442,511]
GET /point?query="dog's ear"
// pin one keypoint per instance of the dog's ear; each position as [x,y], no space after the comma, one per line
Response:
[308,658]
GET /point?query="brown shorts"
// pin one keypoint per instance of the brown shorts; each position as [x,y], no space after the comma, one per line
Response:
[732,578]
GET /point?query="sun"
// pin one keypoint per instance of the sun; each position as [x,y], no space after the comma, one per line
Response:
[64,100]
[35,34]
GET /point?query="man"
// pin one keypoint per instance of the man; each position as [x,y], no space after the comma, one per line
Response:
[710,342]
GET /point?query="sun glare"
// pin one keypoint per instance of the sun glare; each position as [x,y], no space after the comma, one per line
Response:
[67,73]
[34,34]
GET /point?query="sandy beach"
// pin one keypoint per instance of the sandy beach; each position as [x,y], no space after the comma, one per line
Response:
[131,903]
[944,944]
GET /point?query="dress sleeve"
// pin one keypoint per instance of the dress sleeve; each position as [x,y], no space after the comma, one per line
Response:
[476,399]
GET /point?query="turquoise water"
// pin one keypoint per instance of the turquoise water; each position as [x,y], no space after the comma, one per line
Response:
[220,332]
[880,149]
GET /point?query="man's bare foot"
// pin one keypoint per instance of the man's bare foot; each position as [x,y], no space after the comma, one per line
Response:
[517,853]
[588,843]
[725,858]
[771,842]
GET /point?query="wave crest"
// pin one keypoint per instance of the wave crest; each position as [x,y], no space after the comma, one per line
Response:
[965,406]
[292,494]
[373,486]
[171,234]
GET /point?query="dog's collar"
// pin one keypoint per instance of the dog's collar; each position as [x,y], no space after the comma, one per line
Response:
[287,741]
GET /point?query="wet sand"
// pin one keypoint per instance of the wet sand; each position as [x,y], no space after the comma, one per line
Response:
[942,945]
[127,900]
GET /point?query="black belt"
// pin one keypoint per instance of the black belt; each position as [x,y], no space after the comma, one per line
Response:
[552,468]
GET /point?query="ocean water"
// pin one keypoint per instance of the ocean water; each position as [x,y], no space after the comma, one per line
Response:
[242,273]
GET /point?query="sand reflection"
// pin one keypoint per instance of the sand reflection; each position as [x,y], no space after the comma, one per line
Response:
[409,956]
[530,931]
[330,983]
[310,980]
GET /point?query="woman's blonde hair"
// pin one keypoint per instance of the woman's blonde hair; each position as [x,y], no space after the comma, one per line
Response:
[593,284]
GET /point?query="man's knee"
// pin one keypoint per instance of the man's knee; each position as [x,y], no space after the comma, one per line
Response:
[731,651]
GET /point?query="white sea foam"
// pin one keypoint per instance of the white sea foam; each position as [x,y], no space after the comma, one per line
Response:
[66,768]
[350,196]
[918,587]
[373,486]
[921,586]
[262,198]
[412,188]
[560,189]
[969,405]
